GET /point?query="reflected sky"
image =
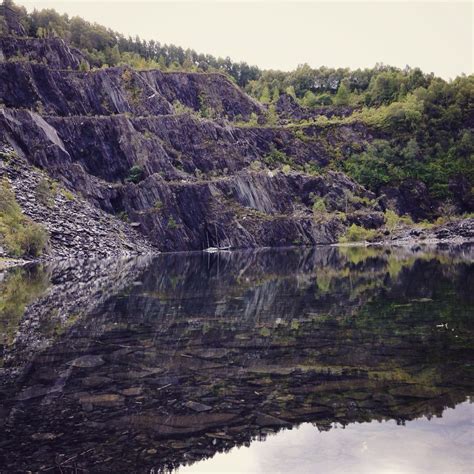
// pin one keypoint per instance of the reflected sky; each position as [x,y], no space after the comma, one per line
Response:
[439,445]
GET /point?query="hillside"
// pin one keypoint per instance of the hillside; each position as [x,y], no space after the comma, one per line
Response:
[137,160]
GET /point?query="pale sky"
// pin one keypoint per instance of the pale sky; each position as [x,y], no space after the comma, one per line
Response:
[435,36]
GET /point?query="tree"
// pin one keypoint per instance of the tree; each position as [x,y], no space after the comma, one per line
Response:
[275,94]
[310,99]
[265,97]
[343,95]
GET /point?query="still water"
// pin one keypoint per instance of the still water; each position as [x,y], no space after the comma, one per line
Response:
[290,360]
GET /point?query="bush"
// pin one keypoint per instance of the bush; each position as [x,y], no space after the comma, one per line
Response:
[172,224]
[256,165]
[20,236]
[135,175]
[67,194]
[319,207]
[356,233]
[393,220]
[45,192]
[277,157]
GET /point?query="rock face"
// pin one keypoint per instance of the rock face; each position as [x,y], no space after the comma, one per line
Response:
[202,177]
[55,52]
[75,226]
[411,197]
[12,20]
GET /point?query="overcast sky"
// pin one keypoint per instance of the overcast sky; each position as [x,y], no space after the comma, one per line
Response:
[436,36]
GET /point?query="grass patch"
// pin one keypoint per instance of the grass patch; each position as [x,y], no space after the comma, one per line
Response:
[19,235]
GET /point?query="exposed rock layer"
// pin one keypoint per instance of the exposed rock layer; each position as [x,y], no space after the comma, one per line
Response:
[203,169]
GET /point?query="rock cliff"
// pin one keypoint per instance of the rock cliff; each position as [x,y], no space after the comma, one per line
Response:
[186,159]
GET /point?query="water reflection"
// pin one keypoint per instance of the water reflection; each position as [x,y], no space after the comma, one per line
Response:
[146,364]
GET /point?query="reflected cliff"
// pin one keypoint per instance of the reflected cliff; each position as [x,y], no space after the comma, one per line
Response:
[142,364]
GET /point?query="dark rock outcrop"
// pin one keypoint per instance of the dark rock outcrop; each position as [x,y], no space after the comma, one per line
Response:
[53,91]
[54,52]
[411,198]
[12,20]
[74,225]
[203,177]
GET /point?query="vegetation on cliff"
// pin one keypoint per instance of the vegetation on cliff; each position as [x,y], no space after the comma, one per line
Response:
[425,122]
[20,236]
[266,171]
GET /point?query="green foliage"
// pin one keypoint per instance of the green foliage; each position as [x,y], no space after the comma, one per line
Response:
[319,206]
[375,167]
[205,110]
[253,121]
[357,233]
[135,174]
[256,165]
[181,109]
[45,192]
[393,221]
[67,194]
[428,138]
[290,90]
[343,95]
[312,169]
[19,235]
[271,116]
[84,66]
[277,158]
[265,98]
[172,224]
[275,94]
[102,46]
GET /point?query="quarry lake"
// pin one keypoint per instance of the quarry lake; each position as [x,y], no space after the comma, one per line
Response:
[330,359]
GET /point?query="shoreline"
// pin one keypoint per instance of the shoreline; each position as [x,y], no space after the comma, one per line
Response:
[7,263]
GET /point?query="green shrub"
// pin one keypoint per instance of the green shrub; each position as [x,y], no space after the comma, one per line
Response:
[276,158]
[356,233]
[45,192]
[392,220]
[20,236]
[172,224]
[312,169]
[319,206]
[181,109]
[135,174]
[256,165]
[67,194]
[84,66]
